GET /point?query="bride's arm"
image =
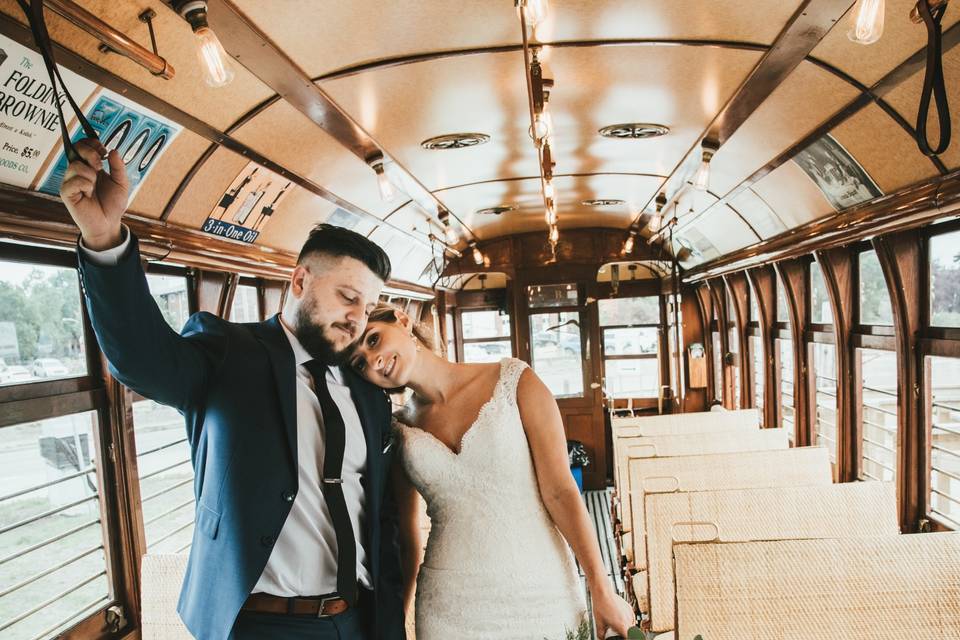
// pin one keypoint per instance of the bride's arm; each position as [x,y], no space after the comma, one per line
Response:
[548,445]
[411,545]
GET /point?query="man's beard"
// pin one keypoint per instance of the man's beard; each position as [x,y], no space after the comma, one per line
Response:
[312,337]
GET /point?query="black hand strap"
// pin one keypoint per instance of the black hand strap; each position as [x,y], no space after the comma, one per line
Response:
[33,9]
[933,83]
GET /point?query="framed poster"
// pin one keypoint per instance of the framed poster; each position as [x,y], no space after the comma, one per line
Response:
[841,179]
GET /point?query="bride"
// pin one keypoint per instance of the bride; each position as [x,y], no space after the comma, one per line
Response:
[485,446]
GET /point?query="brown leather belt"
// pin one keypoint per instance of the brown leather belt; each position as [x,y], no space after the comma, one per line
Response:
[320,607]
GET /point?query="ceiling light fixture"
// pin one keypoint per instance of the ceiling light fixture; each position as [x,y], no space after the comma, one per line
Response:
[214,61]
[535,11]
[629,242]
[554,236]
[550,214]
[449,233]
[455,141]
[701,179]
[478,258]
[387,190]
[634,131]
[548,192]
[867,21]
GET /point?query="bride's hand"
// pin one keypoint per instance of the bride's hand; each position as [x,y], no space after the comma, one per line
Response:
[611,612]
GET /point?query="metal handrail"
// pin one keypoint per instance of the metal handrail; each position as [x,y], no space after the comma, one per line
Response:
[820,434]
[879,464]
[945,406]
[165,490]
[869,475]
[892,394]
[826,393]
[946,451]
[880,409]
[944,472]
[17,494]
[944,516]
[945,429]
[140,454]
[882,427]
[60,536]
[81,613]
[46,514]
[47,572]
[168,512]
[878,445]
[47,603]
[169,535]
[165,469]
[184,547]
[945,495]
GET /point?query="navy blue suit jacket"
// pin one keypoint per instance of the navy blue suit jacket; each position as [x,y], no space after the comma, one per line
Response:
[235,386]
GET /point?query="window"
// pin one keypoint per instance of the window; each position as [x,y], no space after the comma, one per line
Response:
[787,397]
[170,293]
[486,335]
[878,422]
[630,330]
[756,360]
[733,344]
[754,309]
[166,477]
[783,314]
[945,280]
[53,567]
[944,411]
[552,295]
[41,330]
[555,348]
[246,307]
[874,298]
[717,367]
[825,396]
[820,312]
[451,338]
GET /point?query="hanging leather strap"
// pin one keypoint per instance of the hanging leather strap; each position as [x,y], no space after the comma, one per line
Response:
[933,82]
[33,9]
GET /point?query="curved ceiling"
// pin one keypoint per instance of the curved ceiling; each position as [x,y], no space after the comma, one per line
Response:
[403,71]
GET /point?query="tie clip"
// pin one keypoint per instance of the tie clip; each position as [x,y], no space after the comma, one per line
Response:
[333,481]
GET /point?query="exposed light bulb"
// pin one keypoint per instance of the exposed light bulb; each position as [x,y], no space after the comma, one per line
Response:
[701,180]
[451,235]
[547,122]
[540,129]
[217,70]
[554,236]
[536,11]
[550,216]
[477,256]
[628,244]
[548,189]
[387,190]
[867,21]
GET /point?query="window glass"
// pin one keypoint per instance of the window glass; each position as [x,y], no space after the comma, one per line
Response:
[491,351]
[731,307]
[53,534]
[825,388]
[820,312]
[170,293]
[451,340]
[754,309]
[874,299]
[556,352]
[756,360]
[787,396]
[245,306]
[945,280]
[783,313]
[878,428]
[629,311]
[630,341]
[488,323]
[634,377]
[552,295]
[41,327]
[944,410]
[166,476]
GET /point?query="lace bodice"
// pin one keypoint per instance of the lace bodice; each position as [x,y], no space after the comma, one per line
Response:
[495,564]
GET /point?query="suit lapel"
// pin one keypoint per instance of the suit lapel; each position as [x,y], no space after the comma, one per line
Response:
[271,335]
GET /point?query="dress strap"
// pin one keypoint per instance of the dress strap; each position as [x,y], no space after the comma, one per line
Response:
[510,371]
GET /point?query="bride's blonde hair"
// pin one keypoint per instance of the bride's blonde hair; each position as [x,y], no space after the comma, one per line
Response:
[386,312]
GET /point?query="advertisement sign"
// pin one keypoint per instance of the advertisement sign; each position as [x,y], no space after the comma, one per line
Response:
[837,174]
[29,121]
[140,136]
[247,205]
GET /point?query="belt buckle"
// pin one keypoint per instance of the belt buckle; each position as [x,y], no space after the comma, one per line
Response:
[323,603]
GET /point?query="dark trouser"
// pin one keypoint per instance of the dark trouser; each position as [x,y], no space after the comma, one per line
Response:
[352,624]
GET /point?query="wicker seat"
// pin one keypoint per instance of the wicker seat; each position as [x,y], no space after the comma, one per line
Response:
[161,579]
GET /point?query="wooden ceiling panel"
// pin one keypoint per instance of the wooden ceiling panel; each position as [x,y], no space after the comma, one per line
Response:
[187,90]
[793,195]
[726,230]
[408,259]
[681,87]
[758,214]
[205,190]
[888,153]
[166,174]
[808,97]
[296,215]
[281,131]
[906,100]
[868,63]
[322,37]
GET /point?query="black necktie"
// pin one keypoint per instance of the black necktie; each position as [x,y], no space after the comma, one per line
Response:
[332,483]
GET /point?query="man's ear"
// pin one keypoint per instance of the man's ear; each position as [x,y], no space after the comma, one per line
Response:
[297,281]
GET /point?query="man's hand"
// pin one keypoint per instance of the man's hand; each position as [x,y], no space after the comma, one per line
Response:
[96,199]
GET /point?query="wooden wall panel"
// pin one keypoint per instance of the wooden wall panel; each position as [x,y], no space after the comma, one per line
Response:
[794,279]
[740,289]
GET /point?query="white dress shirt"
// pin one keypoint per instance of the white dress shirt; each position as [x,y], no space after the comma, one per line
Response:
[303,561]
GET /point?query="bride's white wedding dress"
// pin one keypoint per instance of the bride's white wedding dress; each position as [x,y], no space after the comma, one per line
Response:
[496,567]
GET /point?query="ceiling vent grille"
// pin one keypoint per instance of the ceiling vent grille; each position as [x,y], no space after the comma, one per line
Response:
[496,211]
[455,141]
[602,202]
[634,131]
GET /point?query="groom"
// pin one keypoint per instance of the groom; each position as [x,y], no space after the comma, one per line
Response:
[296,533]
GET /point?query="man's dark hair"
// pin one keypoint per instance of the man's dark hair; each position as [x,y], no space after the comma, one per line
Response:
[331,240]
